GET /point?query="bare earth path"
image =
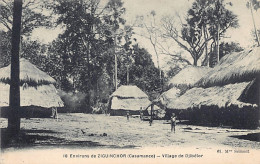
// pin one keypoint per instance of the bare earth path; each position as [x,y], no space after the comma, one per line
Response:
[81,130]
[86,138]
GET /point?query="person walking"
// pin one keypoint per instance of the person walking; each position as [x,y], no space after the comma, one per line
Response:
[173,122]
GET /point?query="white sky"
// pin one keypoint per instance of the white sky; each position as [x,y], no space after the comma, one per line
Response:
[241,35]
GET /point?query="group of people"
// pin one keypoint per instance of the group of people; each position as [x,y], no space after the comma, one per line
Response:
[173,119]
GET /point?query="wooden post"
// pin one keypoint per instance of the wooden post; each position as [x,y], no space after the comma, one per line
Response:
[14,99]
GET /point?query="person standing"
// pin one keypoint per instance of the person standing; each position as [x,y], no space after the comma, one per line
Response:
[141,114]
[151,119]
[127,115]
[173,122]
[54,113]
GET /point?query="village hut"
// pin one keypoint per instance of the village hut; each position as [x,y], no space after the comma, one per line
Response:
[188,76]
[37,92]
[128,98]
[228,94]
[233,68]
[178,85]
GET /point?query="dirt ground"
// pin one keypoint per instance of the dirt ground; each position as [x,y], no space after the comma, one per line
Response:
[88,130]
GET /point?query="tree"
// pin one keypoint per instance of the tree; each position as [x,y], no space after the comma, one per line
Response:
[114,21]
[200,27]
[152,34]
[144,74]
[14,118]
[254,4]
[5,47]
[32,17]
[227,48]
[92,33]
[225,19]
[190,38]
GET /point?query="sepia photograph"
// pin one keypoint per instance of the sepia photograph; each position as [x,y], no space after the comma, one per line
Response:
[129,81]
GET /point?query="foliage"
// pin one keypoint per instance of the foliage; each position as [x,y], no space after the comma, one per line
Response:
[200,26]
[143,72]
[32,17]
[92,36]
[255,4]
[225,48]
[5,48]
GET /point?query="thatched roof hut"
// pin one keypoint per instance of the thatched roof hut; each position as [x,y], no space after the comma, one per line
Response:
[188,76]
[169,96]
[228,94]
[228,83]
[36,87]
[129,91]
[129,98]
[29,74]
[220,96]
[233,68]
[180,83]
[43,96]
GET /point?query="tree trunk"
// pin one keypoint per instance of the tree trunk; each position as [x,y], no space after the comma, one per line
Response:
[256,34]
[206,45]
[127,75]
[160,72]
[195,61]
[89,79]
[115,69]
[14,101]
[218,28]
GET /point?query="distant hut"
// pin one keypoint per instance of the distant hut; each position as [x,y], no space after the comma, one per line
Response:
[37,92]
[228,94]
[128,98]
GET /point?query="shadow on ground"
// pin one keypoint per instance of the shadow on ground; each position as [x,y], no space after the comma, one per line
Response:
[40,138]
[250,137]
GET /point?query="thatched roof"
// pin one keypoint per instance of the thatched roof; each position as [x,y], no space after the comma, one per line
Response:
[29,74]
[169,96]
[233,68]
[133,104]
[129,91]
[212,96]
[189,75]
[42,96]
[129,97]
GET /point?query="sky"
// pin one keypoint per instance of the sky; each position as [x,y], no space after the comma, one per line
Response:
[134,8]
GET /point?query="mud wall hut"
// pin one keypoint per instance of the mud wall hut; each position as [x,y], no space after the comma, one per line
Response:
[128,98]
[37,92]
